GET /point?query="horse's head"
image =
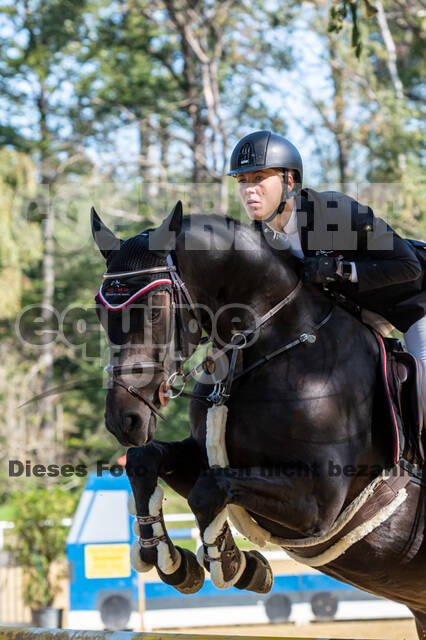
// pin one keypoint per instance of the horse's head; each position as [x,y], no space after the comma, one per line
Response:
[136,306]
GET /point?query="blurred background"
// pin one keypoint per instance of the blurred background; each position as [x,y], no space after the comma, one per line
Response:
[128,105]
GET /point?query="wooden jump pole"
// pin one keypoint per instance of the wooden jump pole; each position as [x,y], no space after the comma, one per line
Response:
[30,633]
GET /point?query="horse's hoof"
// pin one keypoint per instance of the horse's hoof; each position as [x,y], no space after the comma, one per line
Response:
[189,578]
[257,575]
[136,561]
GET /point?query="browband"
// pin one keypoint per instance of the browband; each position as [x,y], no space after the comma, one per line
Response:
[130,274]
[148,287]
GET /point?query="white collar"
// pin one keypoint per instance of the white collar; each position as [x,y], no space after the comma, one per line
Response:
[291,226]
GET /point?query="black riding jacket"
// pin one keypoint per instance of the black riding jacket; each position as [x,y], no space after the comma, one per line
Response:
[390,276]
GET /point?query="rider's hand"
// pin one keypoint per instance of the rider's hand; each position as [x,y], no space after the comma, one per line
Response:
[320,270]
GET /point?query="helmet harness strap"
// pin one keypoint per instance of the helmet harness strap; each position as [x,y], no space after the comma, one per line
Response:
[285,195]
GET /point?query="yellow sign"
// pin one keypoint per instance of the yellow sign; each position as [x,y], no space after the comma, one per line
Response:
[107,560]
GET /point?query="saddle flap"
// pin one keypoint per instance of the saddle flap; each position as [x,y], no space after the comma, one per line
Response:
[411,397]
[404,381]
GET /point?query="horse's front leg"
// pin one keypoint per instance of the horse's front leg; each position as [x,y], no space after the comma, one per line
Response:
[269,494]
[180,464]
[228,565]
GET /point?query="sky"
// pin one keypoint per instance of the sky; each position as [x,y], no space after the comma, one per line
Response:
[287,97]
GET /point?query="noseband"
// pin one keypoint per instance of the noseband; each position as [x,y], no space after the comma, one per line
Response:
[179,294]
[117,370]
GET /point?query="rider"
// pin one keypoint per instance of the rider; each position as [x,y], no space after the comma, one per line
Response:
[343,246]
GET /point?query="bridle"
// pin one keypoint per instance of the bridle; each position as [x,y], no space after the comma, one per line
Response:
[222,388]
[178,327]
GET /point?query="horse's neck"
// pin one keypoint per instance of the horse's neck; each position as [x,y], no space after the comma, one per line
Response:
[225,265]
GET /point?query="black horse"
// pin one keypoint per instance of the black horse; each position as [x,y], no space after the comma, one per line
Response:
[306,461]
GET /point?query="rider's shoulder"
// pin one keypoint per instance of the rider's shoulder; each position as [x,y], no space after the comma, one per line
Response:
[331,199]
[325,202]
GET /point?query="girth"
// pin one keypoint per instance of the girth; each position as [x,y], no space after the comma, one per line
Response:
[383,495]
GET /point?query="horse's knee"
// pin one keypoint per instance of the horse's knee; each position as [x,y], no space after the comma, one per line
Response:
[142,470]
[143,461]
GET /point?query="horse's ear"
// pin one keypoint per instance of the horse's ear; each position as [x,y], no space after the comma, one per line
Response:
[104,237]
[163,239]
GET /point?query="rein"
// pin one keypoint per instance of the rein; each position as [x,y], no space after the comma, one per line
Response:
[222,389]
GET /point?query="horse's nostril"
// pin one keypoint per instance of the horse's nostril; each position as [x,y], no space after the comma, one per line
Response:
[131,420]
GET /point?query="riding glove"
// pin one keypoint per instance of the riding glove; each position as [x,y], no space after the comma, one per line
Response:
[320,270]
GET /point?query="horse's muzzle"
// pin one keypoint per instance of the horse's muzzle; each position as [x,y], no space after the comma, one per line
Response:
[132,421]
[136,430]
[132,428]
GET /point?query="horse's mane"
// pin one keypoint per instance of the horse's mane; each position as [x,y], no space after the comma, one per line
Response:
[216,233]
[250,236]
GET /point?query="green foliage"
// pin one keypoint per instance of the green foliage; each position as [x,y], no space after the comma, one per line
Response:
[79,76]
[174,503]
[342,9]
[20,239]
[38,538]
[177,425]
[33,76]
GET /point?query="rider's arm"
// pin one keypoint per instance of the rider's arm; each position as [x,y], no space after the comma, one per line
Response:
[385,259]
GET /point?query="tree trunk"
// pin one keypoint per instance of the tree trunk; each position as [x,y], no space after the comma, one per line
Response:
[391,61]
[147,159]
[164,148]
[47,424]
[199,143]
[340,133]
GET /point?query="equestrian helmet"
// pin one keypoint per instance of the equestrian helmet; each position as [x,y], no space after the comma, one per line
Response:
[265,150]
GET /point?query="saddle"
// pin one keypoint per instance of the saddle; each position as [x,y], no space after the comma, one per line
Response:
[403,381]
[401,388]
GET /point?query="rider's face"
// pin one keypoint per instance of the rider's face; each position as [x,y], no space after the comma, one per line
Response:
[260,192]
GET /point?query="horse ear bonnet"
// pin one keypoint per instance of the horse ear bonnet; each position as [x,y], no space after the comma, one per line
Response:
[133,255]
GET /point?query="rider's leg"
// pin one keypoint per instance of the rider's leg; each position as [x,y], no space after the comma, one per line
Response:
[415,339]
